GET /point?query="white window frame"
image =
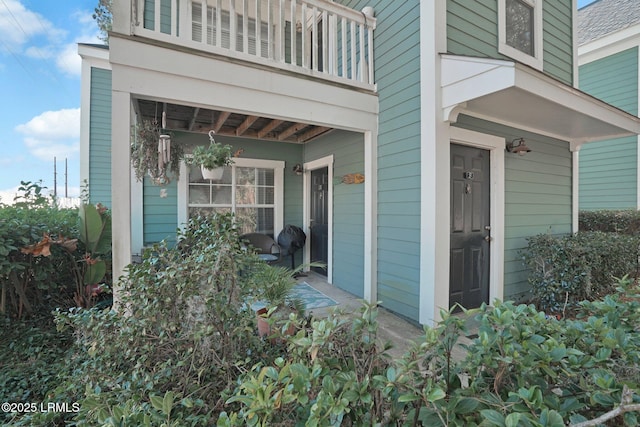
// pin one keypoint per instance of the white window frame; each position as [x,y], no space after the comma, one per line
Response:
[534,61]
[278,182]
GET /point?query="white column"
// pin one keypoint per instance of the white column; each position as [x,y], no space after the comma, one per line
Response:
[120,186]
[371,215]
[434,154]
[575,187]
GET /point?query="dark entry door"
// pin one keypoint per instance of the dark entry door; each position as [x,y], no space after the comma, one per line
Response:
[319,216]
[470,228]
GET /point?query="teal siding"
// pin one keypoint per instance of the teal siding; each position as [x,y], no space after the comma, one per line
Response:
[397,59]
[348,207]
[161,214]
[100,137]
[537,196]
[609,169]
[472,30]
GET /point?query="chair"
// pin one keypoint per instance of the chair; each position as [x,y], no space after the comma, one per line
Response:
[266,248]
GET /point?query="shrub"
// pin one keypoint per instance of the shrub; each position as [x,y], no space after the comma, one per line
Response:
[565,270]
[184,334]
[33,359]
[31,284]
[331,375]
[610,221]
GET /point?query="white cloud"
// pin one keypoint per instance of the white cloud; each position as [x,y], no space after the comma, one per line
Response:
[25,32]
[52,134]
[6,196]
[18,25]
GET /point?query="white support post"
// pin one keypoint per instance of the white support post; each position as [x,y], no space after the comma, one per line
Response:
[233,26]
[343,23]
[370,215]
[218,42]
[120,186]
[294,53]
[258,29]
[245,26]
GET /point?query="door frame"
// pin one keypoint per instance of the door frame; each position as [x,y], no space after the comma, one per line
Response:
[496,147]
[322,162]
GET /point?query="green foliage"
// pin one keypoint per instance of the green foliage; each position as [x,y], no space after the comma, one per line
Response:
[610,221]
[333,375]
[523,369]
[565,270]
[185,328]
[30,283]
[103,16]
[211,156]
[33,358]
[145,154]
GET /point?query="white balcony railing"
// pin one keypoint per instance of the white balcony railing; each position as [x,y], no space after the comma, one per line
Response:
[314,37]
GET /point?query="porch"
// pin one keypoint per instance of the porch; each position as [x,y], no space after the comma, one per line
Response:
[401,332]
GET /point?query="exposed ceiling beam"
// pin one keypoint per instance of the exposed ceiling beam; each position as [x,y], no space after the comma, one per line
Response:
[221,119]
[196,111]
[312,133]
[245,125]
[269,127]
[296,127]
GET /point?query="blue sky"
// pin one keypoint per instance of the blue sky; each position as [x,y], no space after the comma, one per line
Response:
[40,90]
[40,87]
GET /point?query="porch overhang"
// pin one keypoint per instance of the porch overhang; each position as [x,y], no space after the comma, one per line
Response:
[516,95]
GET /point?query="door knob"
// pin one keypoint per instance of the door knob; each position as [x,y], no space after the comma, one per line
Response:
[488,238]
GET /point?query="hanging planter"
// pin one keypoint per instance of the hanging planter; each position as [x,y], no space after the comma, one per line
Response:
[211,158]
[214,174]
[153,154]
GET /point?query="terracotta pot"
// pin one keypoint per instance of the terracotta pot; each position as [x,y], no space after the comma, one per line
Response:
[264,329]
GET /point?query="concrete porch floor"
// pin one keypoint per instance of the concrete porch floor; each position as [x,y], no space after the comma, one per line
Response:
[391,327]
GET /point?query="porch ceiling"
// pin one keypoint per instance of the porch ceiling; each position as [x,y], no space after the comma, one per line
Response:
[202,120]
[516,95]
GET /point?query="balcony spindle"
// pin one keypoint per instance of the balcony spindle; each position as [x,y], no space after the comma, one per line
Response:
[324,38]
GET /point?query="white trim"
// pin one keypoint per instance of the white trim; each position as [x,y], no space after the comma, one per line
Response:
[495,145]
[575,189]
[534,61]
[120,186]
[371,216]
[510,93]
[574,45]
[609,45]
[322,162]
[278,179]
[433,154]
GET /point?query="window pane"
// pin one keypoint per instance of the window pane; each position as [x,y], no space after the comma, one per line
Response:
[247,195]
[199,194]
[519,31]
[194,212]
[221,194]
[259,220]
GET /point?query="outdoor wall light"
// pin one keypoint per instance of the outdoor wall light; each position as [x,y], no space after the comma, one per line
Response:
[518,146]
[297,169]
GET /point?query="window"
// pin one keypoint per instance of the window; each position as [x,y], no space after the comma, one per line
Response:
[520,30]
[252,189]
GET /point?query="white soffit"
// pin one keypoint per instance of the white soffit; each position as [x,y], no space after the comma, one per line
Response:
[519,96]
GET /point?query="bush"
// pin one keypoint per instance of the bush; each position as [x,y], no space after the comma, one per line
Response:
[610,221]
[34,284]
[522,369]
[565,270]
[33,359]
[184,334]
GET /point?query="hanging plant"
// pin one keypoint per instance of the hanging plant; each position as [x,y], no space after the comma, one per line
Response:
[211,158]
[154,154]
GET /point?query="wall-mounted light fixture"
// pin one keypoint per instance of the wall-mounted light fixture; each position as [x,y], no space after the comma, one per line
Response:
[297,169]
[518,146]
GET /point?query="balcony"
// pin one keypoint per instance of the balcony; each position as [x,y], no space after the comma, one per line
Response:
[316,38]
